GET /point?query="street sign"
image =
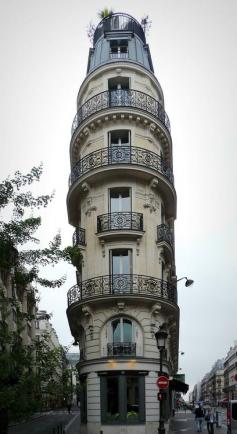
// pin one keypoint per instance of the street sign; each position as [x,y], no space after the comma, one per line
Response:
[162,382]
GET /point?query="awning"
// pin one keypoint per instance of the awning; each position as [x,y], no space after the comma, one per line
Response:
[178,386]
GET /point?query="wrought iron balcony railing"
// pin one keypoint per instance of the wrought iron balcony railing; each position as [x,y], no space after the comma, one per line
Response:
[121,349]
[79,237]
[121,98]
[115,155]
[120,221]
[119,22]
[122,284]
[114,55]
[164,234]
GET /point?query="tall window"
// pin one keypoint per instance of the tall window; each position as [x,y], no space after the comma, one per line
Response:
[121,261]
[119,200]
[119,95]
[123,398]
[119,49]
[119,146]
[121,270]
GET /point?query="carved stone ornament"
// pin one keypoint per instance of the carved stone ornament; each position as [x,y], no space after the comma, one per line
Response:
[90,206]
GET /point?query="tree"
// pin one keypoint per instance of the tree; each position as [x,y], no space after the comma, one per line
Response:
[20,267]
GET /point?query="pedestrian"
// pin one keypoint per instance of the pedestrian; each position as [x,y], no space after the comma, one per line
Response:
[210,419]
[69,406]
[199,417]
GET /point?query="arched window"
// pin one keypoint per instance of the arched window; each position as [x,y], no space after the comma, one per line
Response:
[122,330]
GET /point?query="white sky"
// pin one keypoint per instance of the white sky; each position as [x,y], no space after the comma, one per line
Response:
[44,51]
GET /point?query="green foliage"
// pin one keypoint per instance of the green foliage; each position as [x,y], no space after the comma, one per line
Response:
[106,12]
[73,255]
[18,231]
[28,372]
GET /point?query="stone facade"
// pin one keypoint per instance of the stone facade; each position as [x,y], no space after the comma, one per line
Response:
[122,203]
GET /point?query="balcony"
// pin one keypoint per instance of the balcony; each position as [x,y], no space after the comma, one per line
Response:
[164,234]
[128,98]
[79,237]
[120,155]
[128,285]
[119,22]
[117,223]
[121,349]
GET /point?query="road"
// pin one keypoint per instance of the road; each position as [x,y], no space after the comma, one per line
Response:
[45,424]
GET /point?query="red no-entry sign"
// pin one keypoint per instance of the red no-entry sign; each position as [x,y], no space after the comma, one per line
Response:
[162,382]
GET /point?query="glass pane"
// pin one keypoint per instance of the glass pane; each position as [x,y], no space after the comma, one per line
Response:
[126,203]
[112,399]
[127,330]
[125,263]
[116,263]
[116,331]
[132,398]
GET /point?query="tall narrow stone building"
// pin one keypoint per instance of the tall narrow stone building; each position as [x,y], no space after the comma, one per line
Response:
[122,203]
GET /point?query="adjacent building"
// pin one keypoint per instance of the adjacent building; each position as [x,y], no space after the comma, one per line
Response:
[122,203]
[230,373]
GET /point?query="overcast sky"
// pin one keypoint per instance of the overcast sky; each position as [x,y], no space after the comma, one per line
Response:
[44,52]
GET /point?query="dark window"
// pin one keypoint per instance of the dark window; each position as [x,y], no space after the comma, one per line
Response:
[119,49]
[122,399]
[83,399]
[118,83]
[119,137]
[234,411]
[113,397]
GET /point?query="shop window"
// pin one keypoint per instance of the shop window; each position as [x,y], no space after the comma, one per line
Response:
[122,399]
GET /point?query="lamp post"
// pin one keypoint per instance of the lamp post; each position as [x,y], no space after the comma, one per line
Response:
[161,336]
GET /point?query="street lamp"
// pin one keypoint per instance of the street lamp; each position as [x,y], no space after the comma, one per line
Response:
[188,282]
[161,336]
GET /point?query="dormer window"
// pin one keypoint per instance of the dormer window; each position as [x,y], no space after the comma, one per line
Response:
[119,49]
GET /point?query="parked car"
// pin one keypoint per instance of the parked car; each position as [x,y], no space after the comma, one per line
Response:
[232,417]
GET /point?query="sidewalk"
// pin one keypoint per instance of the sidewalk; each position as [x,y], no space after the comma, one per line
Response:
[184,422]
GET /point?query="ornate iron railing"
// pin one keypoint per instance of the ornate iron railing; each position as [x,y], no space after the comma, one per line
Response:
[122,284]
[121,98]
[165,234]
[79,237]
[116,22]
[120,155]
[121,349]
[120,221]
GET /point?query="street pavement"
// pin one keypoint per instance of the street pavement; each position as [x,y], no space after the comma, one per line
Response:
[184,423]
[46,423]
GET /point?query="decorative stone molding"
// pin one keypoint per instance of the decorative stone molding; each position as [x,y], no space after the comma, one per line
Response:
[85,187]
[121,306]
[102,243]
[154,183]
[161,254]
[138,246]
[90,206]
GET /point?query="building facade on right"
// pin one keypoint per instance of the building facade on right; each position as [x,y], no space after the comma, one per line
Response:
[122,203]
[230,379]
